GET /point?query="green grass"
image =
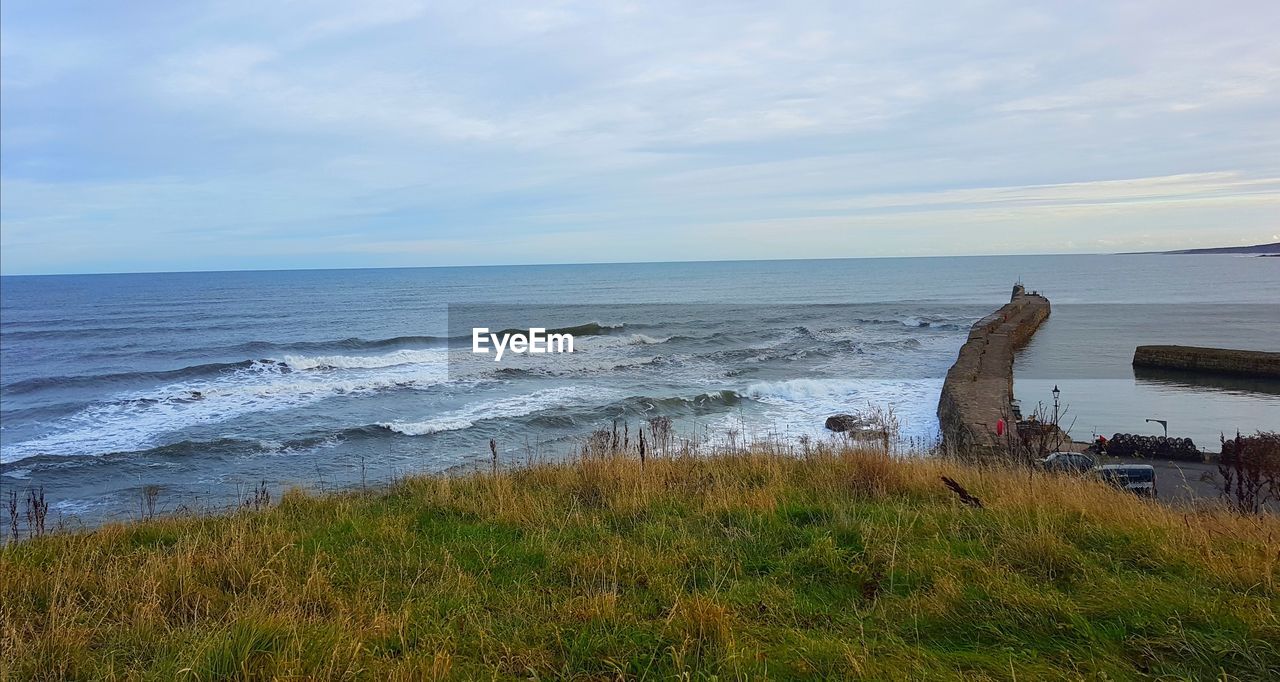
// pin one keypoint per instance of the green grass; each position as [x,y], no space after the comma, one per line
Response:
[837,565]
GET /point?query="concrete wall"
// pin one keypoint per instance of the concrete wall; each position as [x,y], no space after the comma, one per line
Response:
[978,390]
[1212,360]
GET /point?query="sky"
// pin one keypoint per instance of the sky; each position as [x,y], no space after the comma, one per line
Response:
[145,136]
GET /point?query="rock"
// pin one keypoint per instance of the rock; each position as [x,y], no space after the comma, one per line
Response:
[845,422]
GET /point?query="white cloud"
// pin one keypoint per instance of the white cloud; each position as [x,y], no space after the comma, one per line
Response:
[568,127]
[1219,186]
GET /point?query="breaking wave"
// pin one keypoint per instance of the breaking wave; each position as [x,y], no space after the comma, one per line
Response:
[83,381]
[504,408]
[140,420]
[400,357]
[351,343]
[296,363]
[794,390]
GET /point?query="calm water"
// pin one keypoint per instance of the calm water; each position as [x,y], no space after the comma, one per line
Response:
[205,384]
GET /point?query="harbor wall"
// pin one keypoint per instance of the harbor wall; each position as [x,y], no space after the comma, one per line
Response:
[1209,360]
[978,390]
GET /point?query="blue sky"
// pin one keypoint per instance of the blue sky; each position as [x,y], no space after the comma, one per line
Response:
[178,136]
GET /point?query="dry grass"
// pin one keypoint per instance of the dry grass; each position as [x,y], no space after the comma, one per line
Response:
[749,564]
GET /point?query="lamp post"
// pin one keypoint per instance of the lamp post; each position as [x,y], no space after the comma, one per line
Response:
[1163,423]
[1056,394]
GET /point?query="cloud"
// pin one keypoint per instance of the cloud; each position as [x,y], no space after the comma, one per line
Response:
[1191,187]
[217,72]
[408,132]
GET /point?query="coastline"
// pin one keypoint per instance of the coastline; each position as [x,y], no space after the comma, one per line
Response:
[308,426]
[617,563]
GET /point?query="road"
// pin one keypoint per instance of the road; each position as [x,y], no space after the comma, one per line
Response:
[1176,482]
[1179,482]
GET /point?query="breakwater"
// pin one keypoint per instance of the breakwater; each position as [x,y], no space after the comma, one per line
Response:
[1210,360]
[978,390]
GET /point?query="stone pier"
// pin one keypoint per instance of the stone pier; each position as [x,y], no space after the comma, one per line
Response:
[978,390]
[1250,363]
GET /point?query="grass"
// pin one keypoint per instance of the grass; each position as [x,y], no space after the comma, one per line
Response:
[838,564]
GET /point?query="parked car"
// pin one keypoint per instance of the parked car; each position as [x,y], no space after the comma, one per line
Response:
[1139,479]
[1074,462]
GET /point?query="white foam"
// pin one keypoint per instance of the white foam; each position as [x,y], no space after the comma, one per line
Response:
[75,507]
[514,406]
[645,339]
[140,420]
[800,406]
[590,343]
[429,426]
[400,357]
[802,389]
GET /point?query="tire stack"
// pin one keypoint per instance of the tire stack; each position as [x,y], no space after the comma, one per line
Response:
[1162,447]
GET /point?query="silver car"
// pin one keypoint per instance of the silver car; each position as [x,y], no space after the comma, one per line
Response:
[1074,462]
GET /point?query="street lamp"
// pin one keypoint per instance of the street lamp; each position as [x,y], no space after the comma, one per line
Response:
[1056,393]
[1163,423]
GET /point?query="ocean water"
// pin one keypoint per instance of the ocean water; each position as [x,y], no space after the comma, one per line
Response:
[207,384]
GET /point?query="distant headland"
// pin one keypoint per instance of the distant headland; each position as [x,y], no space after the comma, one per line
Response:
[1255,250]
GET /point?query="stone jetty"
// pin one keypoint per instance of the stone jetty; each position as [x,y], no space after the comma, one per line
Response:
[978,390]
[1251,363]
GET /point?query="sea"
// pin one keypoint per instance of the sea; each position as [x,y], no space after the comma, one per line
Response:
[191,390]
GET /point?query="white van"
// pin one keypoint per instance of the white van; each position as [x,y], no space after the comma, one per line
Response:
[1139,479]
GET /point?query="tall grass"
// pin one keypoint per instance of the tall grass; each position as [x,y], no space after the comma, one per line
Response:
[840,563]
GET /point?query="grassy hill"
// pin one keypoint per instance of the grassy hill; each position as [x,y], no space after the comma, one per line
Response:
[832,564]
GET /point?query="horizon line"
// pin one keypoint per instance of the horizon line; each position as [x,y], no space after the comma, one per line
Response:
[559,264]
